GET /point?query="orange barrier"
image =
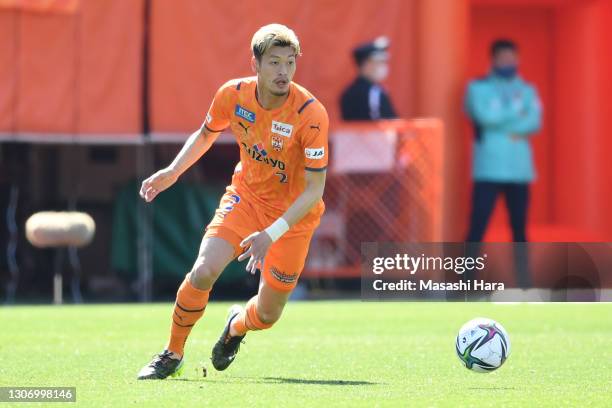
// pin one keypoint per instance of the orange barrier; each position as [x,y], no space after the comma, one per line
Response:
[41,6]
[201,44]
[384,184]
[70,73]
[82,72]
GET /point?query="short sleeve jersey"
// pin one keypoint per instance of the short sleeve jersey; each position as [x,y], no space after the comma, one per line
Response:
[276,146]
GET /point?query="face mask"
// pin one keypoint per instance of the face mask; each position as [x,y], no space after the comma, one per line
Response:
[506,71]
[380,73]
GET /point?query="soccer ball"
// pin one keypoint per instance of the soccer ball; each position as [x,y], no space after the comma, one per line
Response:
[482,345]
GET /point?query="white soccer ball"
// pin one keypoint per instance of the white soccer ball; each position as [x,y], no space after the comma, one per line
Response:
[482,345]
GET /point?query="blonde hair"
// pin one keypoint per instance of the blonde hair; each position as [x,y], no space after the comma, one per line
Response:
[274,35]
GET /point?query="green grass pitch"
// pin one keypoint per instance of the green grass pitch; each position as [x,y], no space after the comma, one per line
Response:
[321,354]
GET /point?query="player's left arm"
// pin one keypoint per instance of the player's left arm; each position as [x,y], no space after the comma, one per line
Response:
[259,242]
[314,142]
[313,192]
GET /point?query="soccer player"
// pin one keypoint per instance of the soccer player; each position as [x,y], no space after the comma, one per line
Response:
[272,207]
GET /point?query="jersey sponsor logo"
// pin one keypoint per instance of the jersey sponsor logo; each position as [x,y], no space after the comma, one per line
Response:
[314,153]
[259,148]
[277,143]
[258,155]
[281,128]
[245,114]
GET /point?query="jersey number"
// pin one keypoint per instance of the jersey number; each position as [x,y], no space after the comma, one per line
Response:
[283,177]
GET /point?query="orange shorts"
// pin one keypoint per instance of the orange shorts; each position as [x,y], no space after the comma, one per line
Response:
[236,218]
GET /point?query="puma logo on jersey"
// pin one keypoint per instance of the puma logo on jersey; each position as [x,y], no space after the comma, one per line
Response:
[314,153]
[281,128]
[246,128]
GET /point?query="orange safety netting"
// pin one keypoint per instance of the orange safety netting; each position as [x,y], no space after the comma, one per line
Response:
[384,184]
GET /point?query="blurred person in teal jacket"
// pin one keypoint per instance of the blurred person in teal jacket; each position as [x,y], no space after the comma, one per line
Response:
[506,112]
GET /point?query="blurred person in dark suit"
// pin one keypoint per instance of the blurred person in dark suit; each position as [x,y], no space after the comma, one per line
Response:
[365,99]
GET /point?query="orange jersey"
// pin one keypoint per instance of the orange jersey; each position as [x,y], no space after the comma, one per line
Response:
[276,146]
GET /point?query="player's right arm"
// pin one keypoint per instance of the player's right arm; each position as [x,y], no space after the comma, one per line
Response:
[196,145]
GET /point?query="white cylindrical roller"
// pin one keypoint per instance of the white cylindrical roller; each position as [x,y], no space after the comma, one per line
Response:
[49,229]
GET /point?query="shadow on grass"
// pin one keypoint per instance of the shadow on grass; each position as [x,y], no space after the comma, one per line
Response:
[285,380]
[276,380]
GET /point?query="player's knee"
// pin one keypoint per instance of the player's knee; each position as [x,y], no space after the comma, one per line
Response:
[203,275]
